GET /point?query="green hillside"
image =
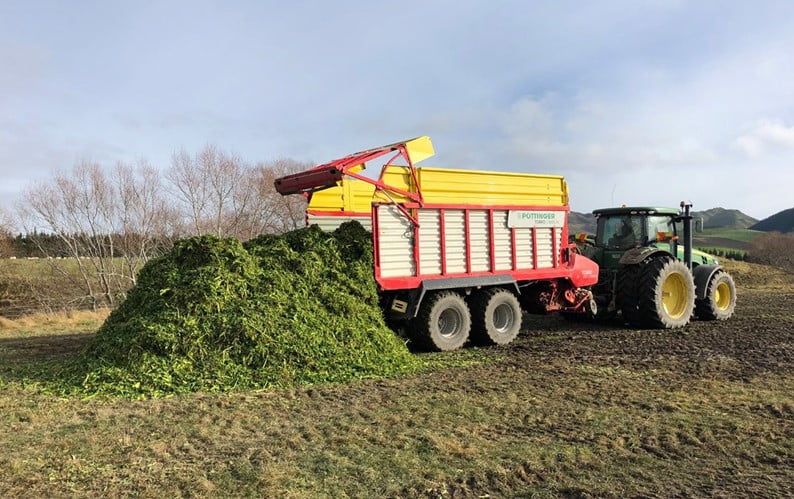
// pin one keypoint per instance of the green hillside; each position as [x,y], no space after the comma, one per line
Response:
[738,235]
[779,222]
[715,218]
[724,241]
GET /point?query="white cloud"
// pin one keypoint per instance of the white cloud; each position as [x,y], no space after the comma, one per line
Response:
[586,134]
[766,137]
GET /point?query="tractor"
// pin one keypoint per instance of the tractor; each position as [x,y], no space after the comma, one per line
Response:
[647,277]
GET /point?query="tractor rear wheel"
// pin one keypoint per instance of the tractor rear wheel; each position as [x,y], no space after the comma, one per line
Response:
[496,316]
[443,322]
[720,298]
[665,295]
[626,292]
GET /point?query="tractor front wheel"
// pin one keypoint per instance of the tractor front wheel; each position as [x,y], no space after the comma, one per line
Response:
[720,298]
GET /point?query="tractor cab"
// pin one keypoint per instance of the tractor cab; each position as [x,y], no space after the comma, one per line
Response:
[625,228]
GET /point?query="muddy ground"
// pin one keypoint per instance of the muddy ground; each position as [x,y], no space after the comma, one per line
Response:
[758,339]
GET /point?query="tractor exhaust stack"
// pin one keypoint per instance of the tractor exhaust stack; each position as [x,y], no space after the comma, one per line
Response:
[687,219]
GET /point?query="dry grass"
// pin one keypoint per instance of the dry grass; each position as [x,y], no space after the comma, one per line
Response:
[31,286]
[41,324]
[753,275]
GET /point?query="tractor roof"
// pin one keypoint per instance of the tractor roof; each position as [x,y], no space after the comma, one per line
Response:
[637,210]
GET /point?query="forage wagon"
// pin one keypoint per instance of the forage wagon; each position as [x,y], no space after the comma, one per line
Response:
[457,253]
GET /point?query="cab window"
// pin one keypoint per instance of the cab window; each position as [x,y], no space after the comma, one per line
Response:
[657,224]
[619,232]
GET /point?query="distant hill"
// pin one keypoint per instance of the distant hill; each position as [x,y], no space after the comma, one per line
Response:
[720,218]
[779,222]
[581,222]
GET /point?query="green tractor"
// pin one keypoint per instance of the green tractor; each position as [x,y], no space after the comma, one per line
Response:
[647,277]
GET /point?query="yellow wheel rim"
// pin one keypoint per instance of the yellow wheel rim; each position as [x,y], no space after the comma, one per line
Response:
[674,295]
[722,296]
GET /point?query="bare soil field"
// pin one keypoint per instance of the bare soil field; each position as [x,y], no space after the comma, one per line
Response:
[568,409]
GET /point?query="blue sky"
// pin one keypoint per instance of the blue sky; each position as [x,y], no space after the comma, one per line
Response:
[634,102]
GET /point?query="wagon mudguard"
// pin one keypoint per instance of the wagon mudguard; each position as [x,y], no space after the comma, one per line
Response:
[702,275]
[584,272]
[469,282]
[637,255]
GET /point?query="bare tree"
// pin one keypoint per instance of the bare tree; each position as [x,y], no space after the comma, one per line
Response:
[218,193]
[145,223]
[6,236]
[189,184]
[270,212]
[289,211]
[73,207]
[108,222]
[108,225]
[211,190]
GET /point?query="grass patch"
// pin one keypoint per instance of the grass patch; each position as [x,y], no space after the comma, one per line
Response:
[725,241]
[31,287]
[743,235]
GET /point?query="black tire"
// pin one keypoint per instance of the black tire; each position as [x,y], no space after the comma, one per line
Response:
[627,292]
[720,298]
[496,316]
[443,322]
[665,295]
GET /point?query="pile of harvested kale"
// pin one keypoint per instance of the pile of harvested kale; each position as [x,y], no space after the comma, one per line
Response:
[216,314]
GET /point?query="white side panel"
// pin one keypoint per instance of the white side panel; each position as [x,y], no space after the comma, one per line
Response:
[395,243]
[455,242]
[478,230]
[545,248]
[502,243]
[395,239]
[524,249]
[329,223]
[429,242]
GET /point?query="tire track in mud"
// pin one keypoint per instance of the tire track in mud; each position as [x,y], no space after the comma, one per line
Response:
[758,338]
